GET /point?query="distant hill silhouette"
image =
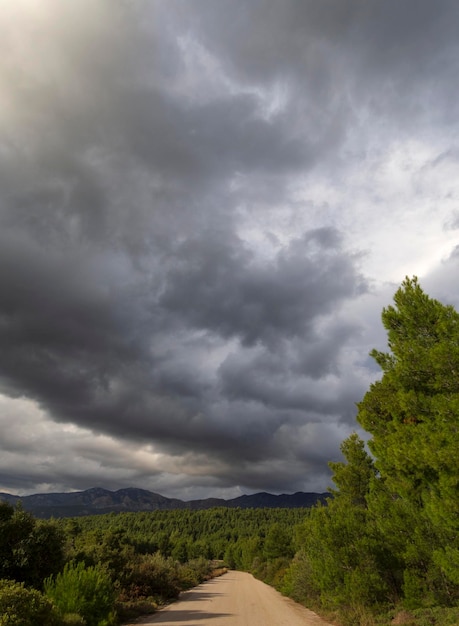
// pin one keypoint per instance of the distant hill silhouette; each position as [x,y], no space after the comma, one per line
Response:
[97,501]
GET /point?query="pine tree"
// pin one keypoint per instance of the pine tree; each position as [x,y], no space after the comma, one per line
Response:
[354,477]
[412,414]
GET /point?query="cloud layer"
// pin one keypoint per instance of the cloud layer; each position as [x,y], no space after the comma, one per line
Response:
[203,208]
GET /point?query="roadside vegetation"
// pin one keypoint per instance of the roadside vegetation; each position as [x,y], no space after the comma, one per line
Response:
[385,549]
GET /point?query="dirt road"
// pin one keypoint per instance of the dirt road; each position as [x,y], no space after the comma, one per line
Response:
[234,599]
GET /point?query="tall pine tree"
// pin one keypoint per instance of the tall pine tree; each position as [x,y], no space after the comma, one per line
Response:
[412,414]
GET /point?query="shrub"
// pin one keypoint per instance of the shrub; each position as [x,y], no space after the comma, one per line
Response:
[152,576]
[20,606]
[298,583]
[85,591]
[194,572]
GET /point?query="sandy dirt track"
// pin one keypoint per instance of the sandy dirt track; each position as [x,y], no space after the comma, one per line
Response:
[234,599]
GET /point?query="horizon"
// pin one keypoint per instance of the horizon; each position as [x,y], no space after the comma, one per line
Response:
[115,490]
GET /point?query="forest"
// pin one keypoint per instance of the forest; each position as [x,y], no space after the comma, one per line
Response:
[384,549]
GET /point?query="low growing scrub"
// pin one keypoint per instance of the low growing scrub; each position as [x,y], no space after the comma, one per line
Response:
[194,572]
[131,609]
[151,576]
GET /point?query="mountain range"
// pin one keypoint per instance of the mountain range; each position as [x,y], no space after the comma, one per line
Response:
[97,501]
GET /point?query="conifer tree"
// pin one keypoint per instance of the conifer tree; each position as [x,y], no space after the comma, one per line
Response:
[354,477]
[412,414]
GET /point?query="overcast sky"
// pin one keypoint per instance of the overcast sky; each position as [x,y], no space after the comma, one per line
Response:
[204,206]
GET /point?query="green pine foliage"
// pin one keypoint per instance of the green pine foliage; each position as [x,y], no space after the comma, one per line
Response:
[389,539]
[353,478]
[412,415]
[183,535]
[84,591]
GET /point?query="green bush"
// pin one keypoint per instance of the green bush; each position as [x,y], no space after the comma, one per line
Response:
[152,576]
[20,606]
[298,582]
[201,567]
[85,591]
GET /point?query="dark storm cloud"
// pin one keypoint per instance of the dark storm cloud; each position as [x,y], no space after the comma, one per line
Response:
[340,64]
[284,379]
[388,40]
[137,142]
[217,284]
[214,139]
[122,360]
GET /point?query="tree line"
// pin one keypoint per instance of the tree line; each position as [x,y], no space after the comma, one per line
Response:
[385,546]
[102,570]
